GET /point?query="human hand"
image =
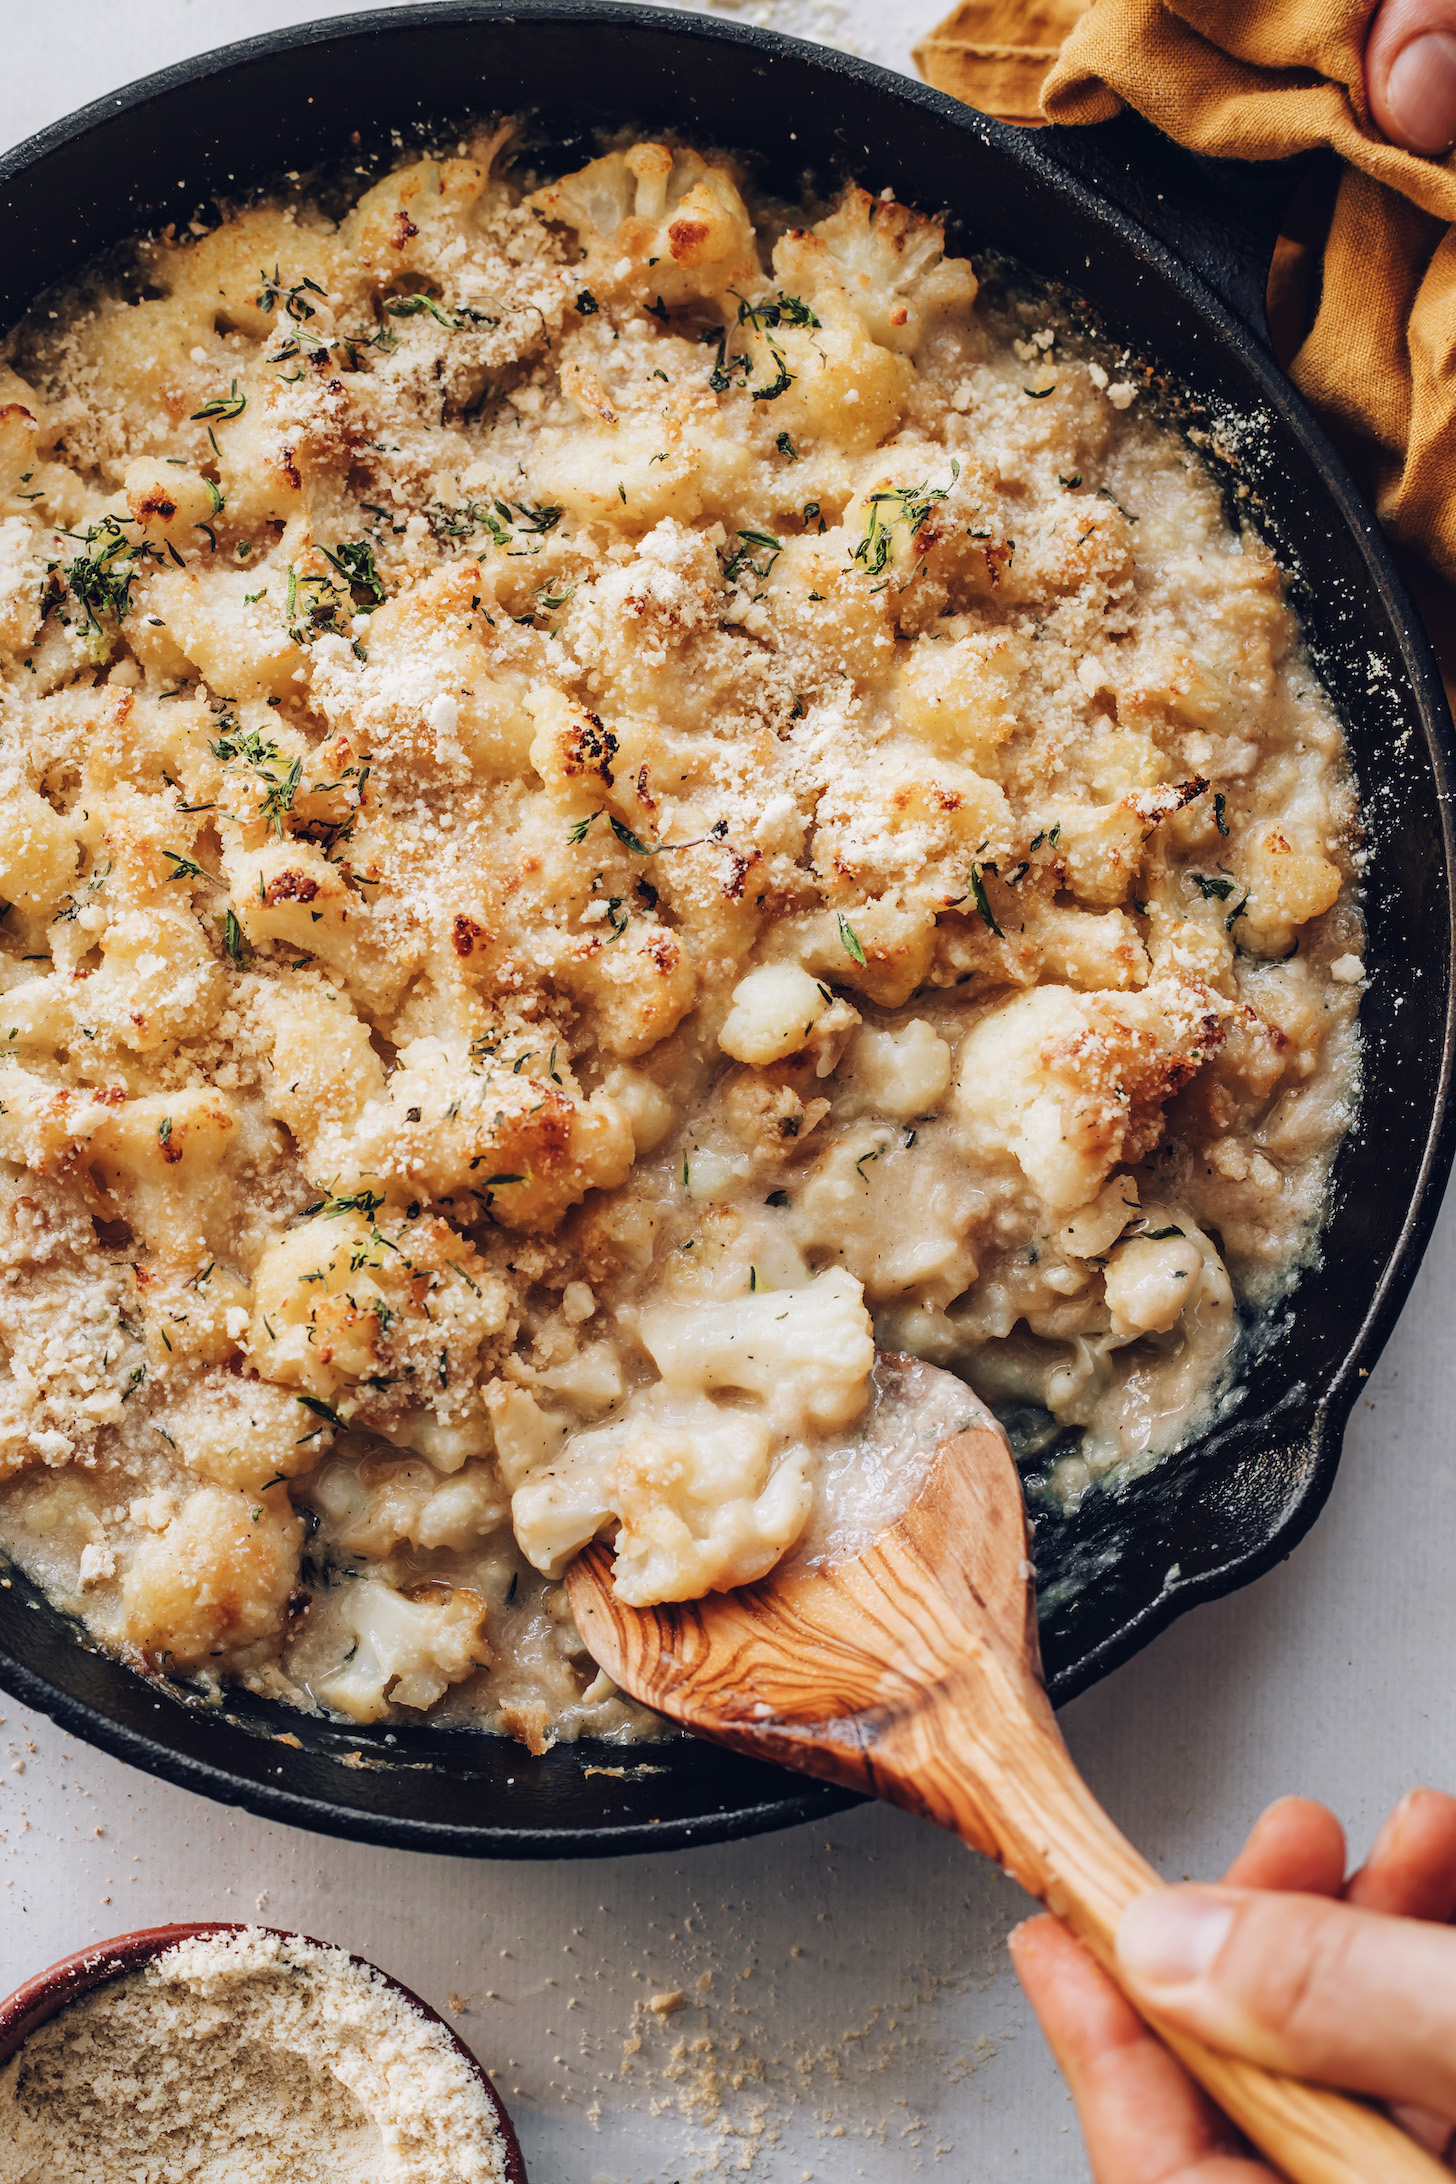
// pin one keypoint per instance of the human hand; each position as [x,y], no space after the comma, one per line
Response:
[1348,1982]
[1410,73]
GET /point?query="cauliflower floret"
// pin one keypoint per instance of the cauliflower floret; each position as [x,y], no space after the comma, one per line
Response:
[502,1122]
[907,1224]
[323,1069]
[373,1505]
[902,1073]
[289,891]
[216,1580]
[234,641]
[888,261]
[37,849]
[1286,887]
[702,1504]
[900,817]
[1095,1227]
[427,696]
[240,1433]
[805,1353]
[350,1298]
[701,1508]
[654,223]
[1074,1083]
[195,1314]
[407,1652]
[960,694]
[566,1495]
[774,1010]
[707,1496]
[164,1160]
[1150,1282]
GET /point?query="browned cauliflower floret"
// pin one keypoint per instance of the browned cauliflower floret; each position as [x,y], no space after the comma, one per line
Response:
[499,1122]
[351,1297]
[216,1581]
[655,223]
[889,261]
[1070,1084]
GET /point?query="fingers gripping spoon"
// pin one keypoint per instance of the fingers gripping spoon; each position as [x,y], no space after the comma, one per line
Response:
[911,1671]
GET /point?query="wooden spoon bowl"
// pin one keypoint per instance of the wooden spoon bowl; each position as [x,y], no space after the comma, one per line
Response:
[911,1671]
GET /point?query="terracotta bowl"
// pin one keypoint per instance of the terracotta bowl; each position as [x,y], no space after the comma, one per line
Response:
[45,1996]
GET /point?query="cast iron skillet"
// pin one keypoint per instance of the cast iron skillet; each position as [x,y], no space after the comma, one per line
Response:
[1120,216]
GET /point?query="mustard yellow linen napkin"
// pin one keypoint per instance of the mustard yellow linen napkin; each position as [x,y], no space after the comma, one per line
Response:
[1261,79]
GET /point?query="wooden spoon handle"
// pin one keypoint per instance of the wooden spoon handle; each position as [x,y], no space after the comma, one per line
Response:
[992,1766]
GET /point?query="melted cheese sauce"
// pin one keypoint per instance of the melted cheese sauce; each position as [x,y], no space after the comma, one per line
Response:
[603,806]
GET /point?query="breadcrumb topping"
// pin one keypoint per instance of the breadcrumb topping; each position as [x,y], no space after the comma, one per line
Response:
[606,805]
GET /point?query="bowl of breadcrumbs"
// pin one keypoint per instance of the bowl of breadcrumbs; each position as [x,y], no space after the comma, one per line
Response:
[226,2054]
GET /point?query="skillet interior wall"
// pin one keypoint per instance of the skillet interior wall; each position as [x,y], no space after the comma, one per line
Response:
[1235,1502]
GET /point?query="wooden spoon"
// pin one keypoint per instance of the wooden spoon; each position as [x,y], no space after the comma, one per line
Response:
[911,1671]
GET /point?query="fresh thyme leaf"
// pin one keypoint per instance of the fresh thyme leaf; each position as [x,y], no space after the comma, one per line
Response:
[786,448]
[365,1201]
[587,303]
[1070,479]
[537,521]
[983,901]
[1213,887]
[412,306]
[498,1182]
[100,578]
[577,831]
[293,298]
[907,504]
[1039,394]
[777,1198]
[356,564]
[232,938]
[1220,812]
[229,405]
[1160,1235]
[779,310]
[628,839]
[183,867]
[321,1409]
[850,939]
[764,542]
[164,1130]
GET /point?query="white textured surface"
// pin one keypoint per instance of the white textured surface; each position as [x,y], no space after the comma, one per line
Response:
[860,2018]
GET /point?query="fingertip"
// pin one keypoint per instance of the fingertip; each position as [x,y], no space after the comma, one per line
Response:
[1411,1868]
[1026,1936]
[1420,94]
[1296,1843]
[1410,74]
[1042,1950]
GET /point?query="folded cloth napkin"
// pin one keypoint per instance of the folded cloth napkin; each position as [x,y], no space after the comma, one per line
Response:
[1261,79]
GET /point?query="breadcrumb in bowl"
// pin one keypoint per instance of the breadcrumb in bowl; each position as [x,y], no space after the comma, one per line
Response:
[781,1038]
[261,2040]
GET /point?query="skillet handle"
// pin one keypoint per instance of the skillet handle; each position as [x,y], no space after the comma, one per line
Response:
[1220,216]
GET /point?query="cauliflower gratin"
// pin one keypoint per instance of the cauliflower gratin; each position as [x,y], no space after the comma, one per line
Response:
[605,807]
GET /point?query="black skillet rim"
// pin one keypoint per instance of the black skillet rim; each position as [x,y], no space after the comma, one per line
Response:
[786,1803]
